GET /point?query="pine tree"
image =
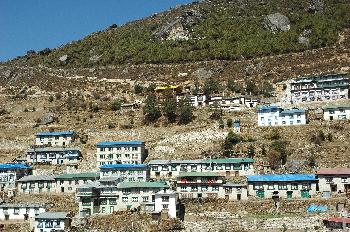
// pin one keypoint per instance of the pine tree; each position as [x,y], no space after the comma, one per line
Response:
[185,112]
[151,110]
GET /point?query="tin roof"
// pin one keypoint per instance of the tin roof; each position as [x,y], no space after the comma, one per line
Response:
[23,205]
[340,106]
[14,166]
[37,178]
[199,174]
[63,133]
[124,166]
[229,160]
[229,184]
[119,143]
[268,107]
[53,149]
[292,111]
[52,215]
[143,185]
[338,219]
[203,161]
[86,175]
[282,177]
[333,171]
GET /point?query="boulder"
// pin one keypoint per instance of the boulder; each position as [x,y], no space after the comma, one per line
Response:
[63,58]
[316,6]
[203,73]
[304,37]
[47,119]
[276,22]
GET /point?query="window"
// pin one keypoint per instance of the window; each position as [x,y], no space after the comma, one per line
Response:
[294,186]
[215,188]
[271,186]
[102,149]
[331,111]
[70,188]
[194,188]
[204,188]
[131,179]
[134,199]
[227,167]
[165,168]
[103,201]
[154,168]
[282,186]
[173,168]
[258,186]
[165,206]
[284,122]
[344,180]
[145,199]
[219,167]
[329,180]
[16,211]
[193,167]
[134,148]
[102,156]
[183,188]
[76,182]
[70,182]
[298,121]
[306,186]
[125,199]
[110,156]
[165,198]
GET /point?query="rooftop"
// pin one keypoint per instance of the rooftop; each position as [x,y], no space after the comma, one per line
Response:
[53,149]
[334,171]
[282,177]
[229,160]
[109,179]
[120,143]
[22,205]
[338,220]
[14,166]
[52,215]
[229,184]
[86,175]
[199,174]
[37,178]
[124,166]
[268,108]
[143,185]
[292,111]
[203,161]
[63,133]
[340,106]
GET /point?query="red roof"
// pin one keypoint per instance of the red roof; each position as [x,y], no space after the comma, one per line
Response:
[338,219]
[334,171]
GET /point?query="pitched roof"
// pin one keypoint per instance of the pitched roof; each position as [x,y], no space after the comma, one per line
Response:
[63,133]
[14,166]
[86,175]
[229,160]
[333,171]
[124,166]
[23,205]
[292,111]
[338,219]
[282,177]
[119,143]
[229,184]
[52,215]
[199,174]
[340,106]
[53,149]
[37,178]
[199,161]
[143,185]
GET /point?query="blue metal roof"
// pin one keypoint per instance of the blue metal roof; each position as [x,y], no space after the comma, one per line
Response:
[14,166]
[63,133]
[268,107]
[124,166]
[282,177]
[120,143]
[293,111]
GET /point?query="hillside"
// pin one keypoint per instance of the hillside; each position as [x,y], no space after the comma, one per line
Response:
[206,30]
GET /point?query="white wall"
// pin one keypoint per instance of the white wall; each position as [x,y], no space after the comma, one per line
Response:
[21,212]
[336,114]
[171,203]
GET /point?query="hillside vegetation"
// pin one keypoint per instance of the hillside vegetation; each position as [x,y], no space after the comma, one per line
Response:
[216,29]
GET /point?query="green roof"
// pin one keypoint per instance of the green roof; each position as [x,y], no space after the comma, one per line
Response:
[86,175]
[195,174]
[229,160]
[143,185]
[336,106]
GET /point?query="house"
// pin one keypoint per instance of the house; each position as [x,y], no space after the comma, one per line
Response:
[20,211]
[97,199]
[282,185]
[67,183]
[127,172]
[251,103]
[208,185]
[55,139]
[276,116]
[336,112]
[53,155]
[320,88]
[9,173]
[167,200]
[52,221]
[170,169]
[334,180]
[194,100]
[130,152]
[337,223]
[172,88]
[37,184]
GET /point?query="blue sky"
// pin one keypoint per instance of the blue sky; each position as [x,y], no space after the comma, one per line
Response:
[38,24]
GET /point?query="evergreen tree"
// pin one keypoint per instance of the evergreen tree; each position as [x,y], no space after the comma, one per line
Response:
[169,109]
[151,110]
[211,86]
[185,112]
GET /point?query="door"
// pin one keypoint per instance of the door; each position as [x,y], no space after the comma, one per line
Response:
[7,217]
[200,195]
[227,173]
[239,196]
[333,187]
[62,189]
[305,194]
[111,209]
[289,194]
[260,193]
[331,118]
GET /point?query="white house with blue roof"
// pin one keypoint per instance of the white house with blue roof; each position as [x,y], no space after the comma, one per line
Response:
[129,152]
[126,172]
[277,116]
[10,173]
[282,185]
[54,139]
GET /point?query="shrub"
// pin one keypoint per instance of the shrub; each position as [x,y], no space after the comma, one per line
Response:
[185,112]
[138,89]
[115,105]
[151,110]
[231,140]
[110,125]
[51,99]
[229,123]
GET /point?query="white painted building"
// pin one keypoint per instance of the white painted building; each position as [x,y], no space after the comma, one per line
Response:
[53,155]
[37,184]
[334,180]
[20,211]
[126,172]
[282,186]
[166,200]
[336,112]
[130,152]
[68,183]
[320,88]
[55,139]
[9,173]
[194,100]
[276,116]
[52,221]
[170,169]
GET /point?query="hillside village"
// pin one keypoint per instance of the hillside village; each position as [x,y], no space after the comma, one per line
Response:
[169,124]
